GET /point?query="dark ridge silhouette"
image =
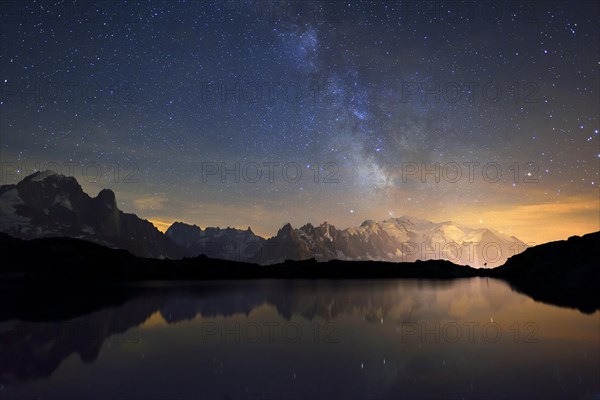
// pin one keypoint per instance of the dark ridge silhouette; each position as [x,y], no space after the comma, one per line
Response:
[67,259]
[45,204]
[563,273]
[566,272]
[228,244]
[572,260]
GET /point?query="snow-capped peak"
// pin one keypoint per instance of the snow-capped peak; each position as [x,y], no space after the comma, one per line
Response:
[41,175]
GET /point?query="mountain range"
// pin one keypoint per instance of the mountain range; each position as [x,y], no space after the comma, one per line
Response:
[227,244]
[403,239]
[46,204]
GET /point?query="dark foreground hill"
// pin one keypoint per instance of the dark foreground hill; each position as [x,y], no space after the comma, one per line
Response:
[67,259]
[563,273]
[574,260]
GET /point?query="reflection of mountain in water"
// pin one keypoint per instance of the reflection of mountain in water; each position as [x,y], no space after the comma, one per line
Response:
[91,314]
[33,347]
[32,350]
[37,337]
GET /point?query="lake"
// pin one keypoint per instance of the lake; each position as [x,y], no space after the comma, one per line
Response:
[470,338]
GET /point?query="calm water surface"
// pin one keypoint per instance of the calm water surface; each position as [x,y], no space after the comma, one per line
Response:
[473,338]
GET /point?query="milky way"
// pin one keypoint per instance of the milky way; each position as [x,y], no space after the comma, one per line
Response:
[259,113]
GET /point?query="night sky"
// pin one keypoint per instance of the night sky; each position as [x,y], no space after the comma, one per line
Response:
[369,94]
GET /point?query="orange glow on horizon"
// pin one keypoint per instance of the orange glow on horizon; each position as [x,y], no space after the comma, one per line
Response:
[532,223]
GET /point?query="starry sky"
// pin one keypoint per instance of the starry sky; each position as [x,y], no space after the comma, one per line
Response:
[258,113]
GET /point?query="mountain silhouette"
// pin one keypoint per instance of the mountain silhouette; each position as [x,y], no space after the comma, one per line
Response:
[572,260]
[562,273]
[46,204]
[228,244]
[404,239]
